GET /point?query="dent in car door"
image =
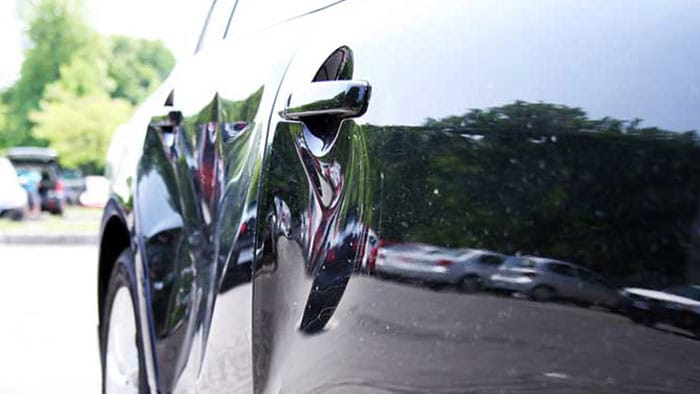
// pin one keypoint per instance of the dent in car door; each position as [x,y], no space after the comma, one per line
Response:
[196,203]
[510,127]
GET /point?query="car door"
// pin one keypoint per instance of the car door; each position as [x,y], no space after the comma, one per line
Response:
[196,204]
[506,127]
[563,279]
[488,264]
[596,291]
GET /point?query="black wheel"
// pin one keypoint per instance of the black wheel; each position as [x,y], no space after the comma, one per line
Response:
[58,211]
[17,215]
[643,318]
[696,331]
[470,284]
[543,293]
[121,350]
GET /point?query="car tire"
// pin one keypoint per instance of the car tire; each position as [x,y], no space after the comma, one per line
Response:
[642,318]
[470,284]
[696,331]
[58,211]
[543,293]
[17,215]
[123,367]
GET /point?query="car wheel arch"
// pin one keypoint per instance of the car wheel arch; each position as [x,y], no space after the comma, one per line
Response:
[114,238]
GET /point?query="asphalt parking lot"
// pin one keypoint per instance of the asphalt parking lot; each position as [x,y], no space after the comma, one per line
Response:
[48,334]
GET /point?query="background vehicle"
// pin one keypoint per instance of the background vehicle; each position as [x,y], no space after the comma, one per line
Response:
[74,184]
[510,127]
[469,269]
[13,198]
[546,279]
[95,192]
[42,164]
[678,306]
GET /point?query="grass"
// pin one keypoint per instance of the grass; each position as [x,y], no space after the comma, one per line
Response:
[75,220]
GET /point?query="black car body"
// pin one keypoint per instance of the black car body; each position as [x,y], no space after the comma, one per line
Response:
[563,130]
[43,164]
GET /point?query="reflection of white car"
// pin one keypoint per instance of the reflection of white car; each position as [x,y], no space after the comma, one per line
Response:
[468,268]
[13,198]
[96,192]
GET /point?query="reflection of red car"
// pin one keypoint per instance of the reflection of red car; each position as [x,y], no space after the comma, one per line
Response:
[207,159]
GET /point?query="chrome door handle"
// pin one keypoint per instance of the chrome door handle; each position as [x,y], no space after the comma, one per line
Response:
[339,99]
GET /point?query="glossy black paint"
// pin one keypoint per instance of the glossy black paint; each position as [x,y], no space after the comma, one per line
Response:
[506,127]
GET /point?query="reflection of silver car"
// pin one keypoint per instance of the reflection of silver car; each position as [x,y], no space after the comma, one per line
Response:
[546,279]
[465,267]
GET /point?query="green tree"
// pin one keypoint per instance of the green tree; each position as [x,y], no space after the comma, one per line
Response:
[57,32]
[79,128]
[77,116]
[547,180]
[138,66]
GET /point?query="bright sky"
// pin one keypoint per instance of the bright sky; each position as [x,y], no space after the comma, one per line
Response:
[176,23]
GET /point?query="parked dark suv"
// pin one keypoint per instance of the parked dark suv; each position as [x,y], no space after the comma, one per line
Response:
[40,167]
[236,248]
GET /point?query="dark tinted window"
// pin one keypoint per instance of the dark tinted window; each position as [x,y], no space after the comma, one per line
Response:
[692,292]
[561,269]
[591,277]
[491,259]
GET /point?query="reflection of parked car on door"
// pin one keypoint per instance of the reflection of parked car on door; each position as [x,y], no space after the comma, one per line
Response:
[42,161]
[13,198]
[415,261]
[546,279]
[678,306]
[476,267]
[468,268]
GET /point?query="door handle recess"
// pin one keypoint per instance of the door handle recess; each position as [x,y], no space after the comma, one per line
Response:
[339,99]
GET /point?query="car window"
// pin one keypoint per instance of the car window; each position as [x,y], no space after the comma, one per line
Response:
[692,292]
[586,275]
[251,16]
[70,173]
[561,269]
[519,262]
[216,23]
[491,259]
[591,277]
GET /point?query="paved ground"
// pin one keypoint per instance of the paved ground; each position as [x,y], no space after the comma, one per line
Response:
[397,338]
[48,329]
[386,331]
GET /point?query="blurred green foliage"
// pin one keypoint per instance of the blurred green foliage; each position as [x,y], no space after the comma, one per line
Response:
[137,67]
[76,86]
